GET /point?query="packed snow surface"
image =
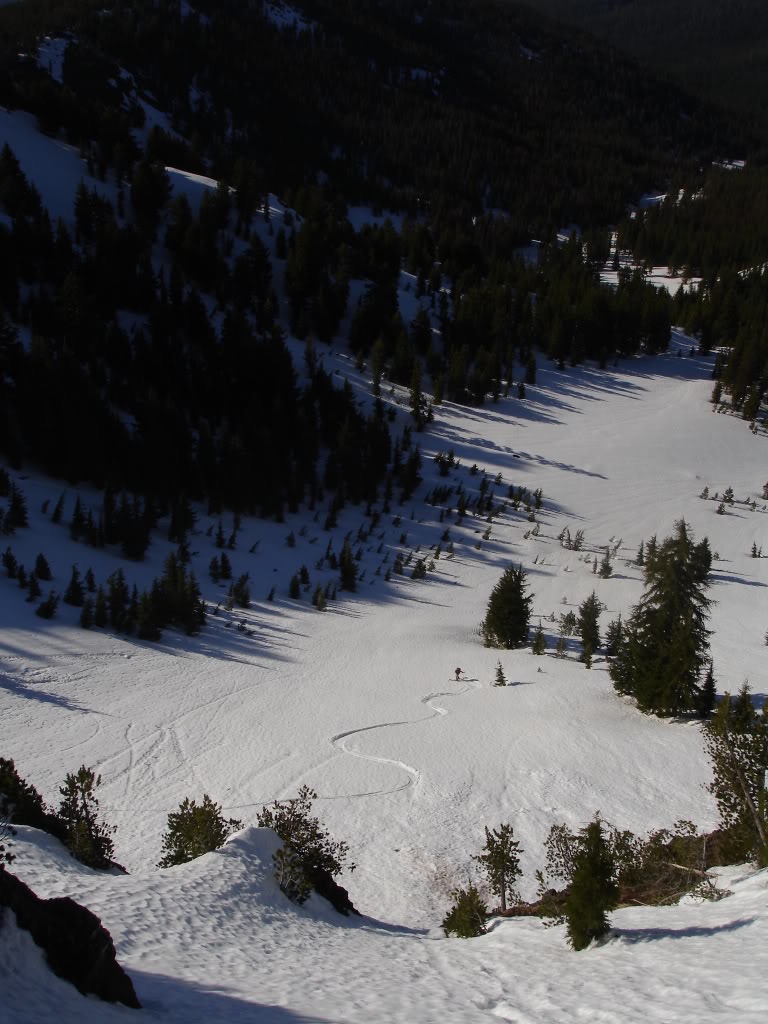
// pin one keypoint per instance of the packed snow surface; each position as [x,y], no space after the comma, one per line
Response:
[361,704]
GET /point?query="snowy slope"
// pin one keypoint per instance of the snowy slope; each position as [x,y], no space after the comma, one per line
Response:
[360,703]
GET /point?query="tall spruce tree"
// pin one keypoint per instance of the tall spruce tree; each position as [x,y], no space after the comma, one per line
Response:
[593,890]
[509,611]
[665,642]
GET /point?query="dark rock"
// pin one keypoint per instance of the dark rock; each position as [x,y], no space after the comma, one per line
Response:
[77,945]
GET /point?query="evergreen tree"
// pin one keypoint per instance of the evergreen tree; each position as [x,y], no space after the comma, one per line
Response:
[468,914]
[42,569]
[75,592]
[58,509]
[539,645]
[606,568]
[10,564]
[193,831]
[309,851]
[89,840]
[613,637]
[6,831]
[500,679]
[588,624]
[16,515]
[708,694]
[665,643]
[77,526]
[86,615]
[737,742]
[592,891]
[347,568]
[241,592]
[47,608]
[101,609]
[509,611]
[33,588]
[501,861]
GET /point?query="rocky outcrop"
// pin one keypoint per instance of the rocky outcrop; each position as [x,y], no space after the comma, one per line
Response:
[77,945]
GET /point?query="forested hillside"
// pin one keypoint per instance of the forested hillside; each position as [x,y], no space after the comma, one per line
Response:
[717,49]
[154,323]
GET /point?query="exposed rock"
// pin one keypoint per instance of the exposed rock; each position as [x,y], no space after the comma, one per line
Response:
[78,947]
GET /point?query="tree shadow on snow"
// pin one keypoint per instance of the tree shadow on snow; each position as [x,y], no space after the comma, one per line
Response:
[719,577]
[21,689]
[636,935]
[176,999]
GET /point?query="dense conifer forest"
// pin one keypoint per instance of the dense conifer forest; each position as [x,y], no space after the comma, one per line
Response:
[482,126]
[715,49]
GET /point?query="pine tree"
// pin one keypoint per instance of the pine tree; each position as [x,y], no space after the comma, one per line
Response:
[466,918]
[606,568]
[708,694]
[241,591]
[42,568]
[309,851]
[665,642]
[16,515]
[74,593]
[225,566]
[737,742]
[101,609]
[193,831]
[86,615]
[592,891]
[588,624]
[347,568]
[33,588]
[539,645]
[77,527]
[613,637]
[501,862]
[500,678]
[509,611]
[47,608]
[10,564]
[89,840]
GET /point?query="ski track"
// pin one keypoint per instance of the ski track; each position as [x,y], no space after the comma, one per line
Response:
[414,774]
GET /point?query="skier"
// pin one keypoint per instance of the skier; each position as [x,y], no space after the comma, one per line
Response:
[458,673]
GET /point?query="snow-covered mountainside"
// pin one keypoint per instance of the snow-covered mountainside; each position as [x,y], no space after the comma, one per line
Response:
[360,703]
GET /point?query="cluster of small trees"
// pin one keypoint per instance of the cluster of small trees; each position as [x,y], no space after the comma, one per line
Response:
[174,598]
[585,863]
[599,867]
